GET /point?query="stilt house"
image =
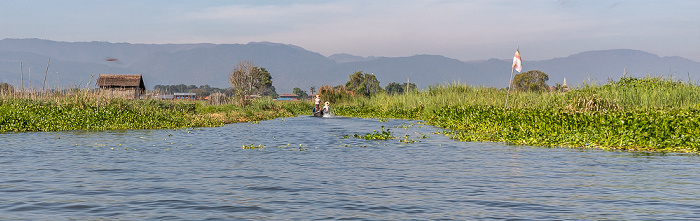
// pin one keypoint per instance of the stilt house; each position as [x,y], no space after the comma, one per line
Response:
[129,86]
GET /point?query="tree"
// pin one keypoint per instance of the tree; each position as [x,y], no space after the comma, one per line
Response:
[302,95]
[312,89]
[363,83]
[269,92]
[532,81]
[393,88]
[247,79]
[200,92]
[265,79]
[396,88]
[6,88]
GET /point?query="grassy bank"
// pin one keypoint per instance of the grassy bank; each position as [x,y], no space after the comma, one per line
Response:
[86,111]
[649,114]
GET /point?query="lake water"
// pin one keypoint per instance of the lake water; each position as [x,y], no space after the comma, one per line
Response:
[308,171]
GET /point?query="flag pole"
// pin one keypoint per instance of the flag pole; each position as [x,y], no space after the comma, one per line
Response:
[510,84]
[517,65]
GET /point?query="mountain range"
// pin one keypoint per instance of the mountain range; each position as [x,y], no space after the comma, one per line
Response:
[79,63]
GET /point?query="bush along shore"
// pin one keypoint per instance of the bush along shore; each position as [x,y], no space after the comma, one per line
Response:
[631,114]
[87,111]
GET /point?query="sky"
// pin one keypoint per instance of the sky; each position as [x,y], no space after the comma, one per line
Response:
[460,29]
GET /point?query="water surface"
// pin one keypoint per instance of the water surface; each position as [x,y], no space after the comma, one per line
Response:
[308,171]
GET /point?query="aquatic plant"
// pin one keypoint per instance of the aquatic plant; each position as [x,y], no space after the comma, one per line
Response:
[251,146]
[383,135]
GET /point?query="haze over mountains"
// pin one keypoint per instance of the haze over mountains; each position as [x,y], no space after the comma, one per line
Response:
[72,64]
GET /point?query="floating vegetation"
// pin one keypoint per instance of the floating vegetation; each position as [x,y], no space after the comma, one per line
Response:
[406,140]
[383,135]
[386,134]
[251,146]
[405,126]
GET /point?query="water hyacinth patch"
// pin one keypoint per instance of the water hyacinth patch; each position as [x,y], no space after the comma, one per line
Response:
[383,135]
[649,114]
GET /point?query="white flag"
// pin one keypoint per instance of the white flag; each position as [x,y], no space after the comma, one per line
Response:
[517,62]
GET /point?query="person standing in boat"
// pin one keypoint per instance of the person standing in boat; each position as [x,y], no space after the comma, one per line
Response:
[317,103]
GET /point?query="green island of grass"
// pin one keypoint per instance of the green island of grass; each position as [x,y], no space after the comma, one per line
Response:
[648,114]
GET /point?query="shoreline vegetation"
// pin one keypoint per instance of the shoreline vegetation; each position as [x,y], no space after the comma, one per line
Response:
[90,111]
[651,114]
[648,114]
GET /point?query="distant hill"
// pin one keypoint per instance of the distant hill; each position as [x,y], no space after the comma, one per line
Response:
[72,63]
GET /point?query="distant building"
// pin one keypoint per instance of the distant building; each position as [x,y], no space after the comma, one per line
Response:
[287,97]
[129,86]
[163,96]
[186,96]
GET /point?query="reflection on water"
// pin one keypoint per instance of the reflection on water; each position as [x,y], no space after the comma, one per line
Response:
[307,171]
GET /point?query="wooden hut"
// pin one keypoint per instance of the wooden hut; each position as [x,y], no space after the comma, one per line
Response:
[129,86]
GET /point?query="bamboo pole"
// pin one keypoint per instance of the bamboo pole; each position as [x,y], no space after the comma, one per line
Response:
[21,70]
[43,87]
[510,85]
[408,83]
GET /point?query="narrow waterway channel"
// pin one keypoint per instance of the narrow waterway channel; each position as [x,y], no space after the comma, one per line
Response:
[309,169]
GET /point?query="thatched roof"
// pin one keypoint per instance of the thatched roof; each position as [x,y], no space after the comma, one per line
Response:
[117,80]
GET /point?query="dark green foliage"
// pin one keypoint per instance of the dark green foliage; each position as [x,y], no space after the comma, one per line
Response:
[396,88]
[363,83]
[301,94]
[264,86]
[531,81]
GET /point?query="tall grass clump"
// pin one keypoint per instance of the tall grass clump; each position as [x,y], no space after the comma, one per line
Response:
[642,94]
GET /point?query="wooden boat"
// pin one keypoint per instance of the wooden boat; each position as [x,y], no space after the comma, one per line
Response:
[318,113]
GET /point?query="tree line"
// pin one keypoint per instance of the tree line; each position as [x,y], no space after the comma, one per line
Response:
[248,81]
[202,90]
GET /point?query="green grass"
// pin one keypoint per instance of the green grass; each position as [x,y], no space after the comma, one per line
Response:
[86,114]
[648,114]
[86,111]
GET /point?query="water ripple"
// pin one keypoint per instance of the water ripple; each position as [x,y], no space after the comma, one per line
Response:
[308,171]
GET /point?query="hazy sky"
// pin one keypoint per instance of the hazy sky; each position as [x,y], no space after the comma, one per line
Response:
[465,30]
